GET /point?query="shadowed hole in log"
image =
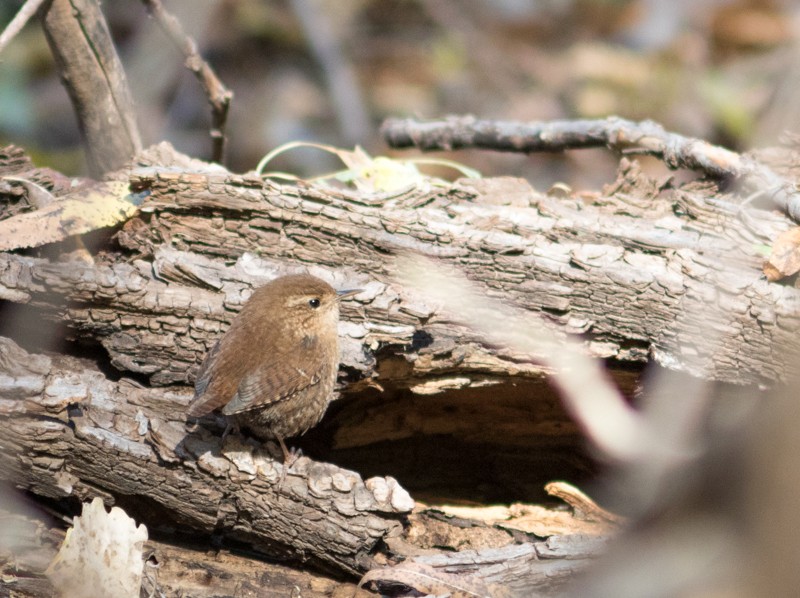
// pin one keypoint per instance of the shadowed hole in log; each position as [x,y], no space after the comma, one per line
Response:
[37,330]
[498,443]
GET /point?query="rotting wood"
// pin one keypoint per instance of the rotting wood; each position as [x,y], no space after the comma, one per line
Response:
[628,269]
[630,274]
[69,432]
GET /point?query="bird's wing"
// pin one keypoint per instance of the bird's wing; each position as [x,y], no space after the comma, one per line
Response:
[267,387]
[203,402]
[278,376]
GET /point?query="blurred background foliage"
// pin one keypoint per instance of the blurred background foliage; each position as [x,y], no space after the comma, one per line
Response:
[331,71]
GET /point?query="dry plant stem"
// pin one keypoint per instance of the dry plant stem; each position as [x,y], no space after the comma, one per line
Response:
[218,95]
[629,137]
[18,22]
[95,81]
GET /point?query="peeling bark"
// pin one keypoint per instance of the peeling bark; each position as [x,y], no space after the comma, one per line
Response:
[70,431]
[632,270]
[632,274]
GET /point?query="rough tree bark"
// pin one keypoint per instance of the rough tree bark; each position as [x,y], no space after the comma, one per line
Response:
[630,269]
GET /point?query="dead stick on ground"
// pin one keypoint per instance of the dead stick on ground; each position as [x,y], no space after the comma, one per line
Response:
[628,137]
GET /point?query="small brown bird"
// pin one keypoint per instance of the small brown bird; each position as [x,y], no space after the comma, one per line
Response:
[273,371]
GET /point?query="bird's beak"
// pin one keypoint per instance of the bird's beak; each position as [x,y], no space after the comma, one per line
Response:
[347,293]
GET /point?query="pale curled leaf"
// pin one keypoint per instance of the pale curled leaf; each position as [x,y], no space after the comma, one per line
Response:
[100,556]
[785,257]
[365,173]
[102,205]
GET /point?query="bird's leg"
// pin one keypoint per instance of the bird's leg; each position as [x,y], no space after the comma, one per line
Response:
[286,454]
[289,458]
[230,426]
[289,455]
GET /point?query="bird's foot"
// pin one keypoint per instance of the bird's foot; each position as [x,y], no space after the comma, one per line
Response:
[290,456]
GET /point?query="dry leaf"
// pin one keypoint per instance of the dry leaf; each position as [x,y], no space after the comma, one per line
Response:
[104,204]
[785,257]
[365,173]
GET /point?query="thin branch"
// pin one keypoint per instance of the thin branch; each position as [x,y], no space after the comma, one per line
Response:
[18,22]
[629,137]
[218,95]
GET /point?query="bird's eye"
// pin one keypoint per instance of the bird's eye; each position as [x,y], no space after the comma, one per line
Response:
[314,302]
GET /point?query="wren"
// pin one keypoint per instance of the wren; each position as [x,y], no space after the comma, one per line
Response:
[274,369]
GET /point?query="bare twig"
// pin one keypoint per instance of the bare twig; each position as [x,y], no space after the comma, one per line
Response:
[645,137]
[218,95]
[18,22]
